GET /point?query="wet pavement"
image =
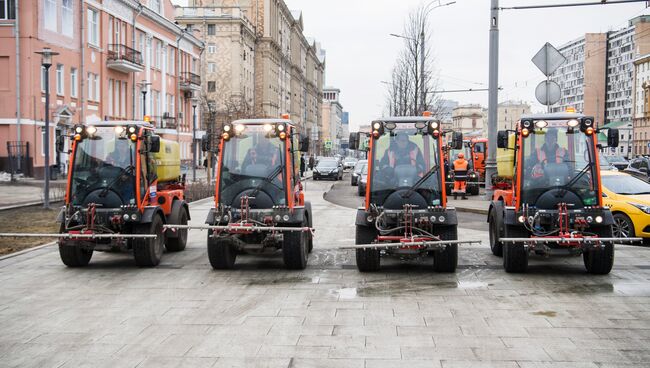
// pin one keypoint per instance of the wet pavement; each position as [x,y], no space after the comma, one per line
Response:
[183,313]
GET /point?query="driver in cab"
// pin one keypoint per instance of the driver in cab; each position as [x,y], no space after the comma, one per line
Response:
[121,155]
[549,153]
[403,152]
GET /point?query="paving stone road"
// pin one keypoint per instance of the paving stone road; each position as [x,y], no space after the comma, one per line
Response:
[184,314]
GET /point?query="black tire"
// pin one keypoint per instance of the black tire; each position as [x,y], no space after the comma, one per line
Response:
[623,226]
[601,260]
[515,255]
[475,190]
[368,259]
[148,252]
[178,244]
[72,255]
[310,223]
[446,260]
[295,248]
[221,252]
[495,234]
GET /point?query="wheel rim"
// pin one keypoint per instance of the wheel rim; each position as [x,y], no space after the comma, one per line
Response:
[493,239]
[621,227]
[183,233]
[159,243]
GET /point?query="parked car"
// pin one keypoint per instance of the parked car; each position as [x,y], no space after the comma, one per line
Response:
[349,162]
[619,162]
[640,168]
[363,180]
[604,163]
[328,168]
[629,200]
[356,172]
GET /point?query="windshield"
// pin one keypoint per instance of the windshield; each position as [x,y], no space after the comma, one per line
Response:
[103,171]
[401,158]
[328,164]
[250,159]
[557,158]
[625,185]
[453,155]
[359,166]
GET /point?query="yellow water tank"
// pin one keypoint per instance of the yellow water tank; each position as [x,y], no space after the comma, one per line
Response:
[506,159]
[168,161]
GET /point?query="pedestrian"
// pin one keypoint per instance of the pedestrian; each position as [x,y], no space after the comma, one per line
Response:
[460,176]
[302,165]
[311,162]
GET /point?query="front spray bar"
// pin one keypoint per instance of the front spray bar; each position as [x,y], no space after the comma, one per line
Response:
[586,240]
[240,228]
[428,244]
[77,236]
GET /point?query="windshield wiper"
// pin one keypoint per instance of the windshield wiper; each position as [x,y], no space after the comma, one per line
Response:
[423,179]
[126,170]
[269,179]
[575,179]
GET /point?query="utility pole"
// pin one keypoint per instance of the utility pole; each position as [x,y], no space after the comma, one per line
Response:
[423,98]
[493,99]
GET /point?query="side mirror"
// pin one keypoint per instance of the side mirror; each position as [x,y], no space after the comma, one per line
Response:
[304,144]
[457,140]
[205,143]
[354,141]
[60,143]
[154,144]
[612,137]
[502,139]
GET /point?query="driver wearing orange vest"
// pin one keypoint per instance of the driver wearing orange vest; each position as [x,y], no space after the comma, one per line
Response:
[404,152]
[460,176]
[549,152]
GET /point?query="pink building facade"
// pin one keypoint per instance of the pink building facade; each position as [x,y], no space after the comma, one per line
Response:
[118,60]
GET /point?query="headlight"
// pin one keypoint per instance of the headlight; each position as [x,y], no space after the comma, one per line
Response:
[134,216]
[441,219]
[521,219]
[285,217]
[226,218]
[370,218]
[599,219]
[642,207]
[126,217]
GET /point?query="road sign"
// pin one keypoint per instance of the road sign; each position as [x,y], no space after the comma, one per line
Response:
[548,93]
[328,144]
[548,59]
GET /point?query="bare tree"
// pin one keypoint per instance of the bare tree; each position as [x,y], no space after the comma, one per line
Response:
[404,89]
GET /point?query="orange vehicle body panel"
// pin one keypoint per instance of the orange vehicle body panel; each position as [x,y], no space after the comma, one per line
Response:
[479,157]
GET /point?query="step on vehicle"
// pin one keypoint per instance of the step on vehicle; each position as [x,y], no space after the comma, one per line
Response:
[548,194]
[405,212]
[260,207]
[123,185]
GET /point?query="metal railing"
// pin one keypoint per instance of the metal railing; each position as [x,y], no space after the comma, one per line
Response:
[118,52]
[191,78]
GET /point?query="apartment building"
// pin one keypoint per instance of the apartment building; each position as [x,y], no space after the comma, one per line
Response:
[259,47]
[117,60]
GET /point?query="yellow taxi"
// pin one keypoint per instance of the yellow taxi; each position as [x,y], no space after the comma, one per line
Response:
[629,200]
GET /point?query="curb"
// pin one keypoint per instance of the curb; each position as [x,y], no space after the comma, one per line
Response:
[27,204]
[25,251]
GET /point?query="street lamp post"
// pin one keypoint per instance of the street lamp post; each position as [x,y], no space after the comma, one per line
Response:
[143,89]
[46,62]
[194,103]
[212,109]
[423,91]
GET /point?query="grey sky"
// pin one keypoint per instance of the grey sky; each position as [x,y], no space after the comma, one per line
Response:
[360,53]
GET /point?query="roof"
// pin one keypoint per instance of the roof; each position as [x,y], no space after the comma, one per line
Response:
[553,116]
[616,124]
[405,119]
[262,121]
[123,122]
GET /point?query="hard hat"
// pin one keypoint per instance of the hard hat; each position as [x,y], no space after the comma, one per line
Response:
[461,155]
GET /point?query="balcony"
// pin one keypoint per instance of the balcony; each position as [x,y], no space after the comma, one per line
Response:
[124,59]
[190,82]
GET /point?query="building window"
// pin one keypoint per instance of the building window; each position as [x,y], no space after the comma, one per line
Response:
[60,90]
[172,61]
[7,9]
[93,87]
[158,54]
[73,82]
[212,67]
[43,79]
[212,29]
[93,27]
[123,101]
[49,15]
[67,22]
[212,48]
[212,86]
[110,97]
[155,5]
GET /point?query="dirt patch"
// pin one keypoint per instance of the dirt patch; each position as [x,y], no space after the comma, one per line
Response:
[26,220]
[546,313]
